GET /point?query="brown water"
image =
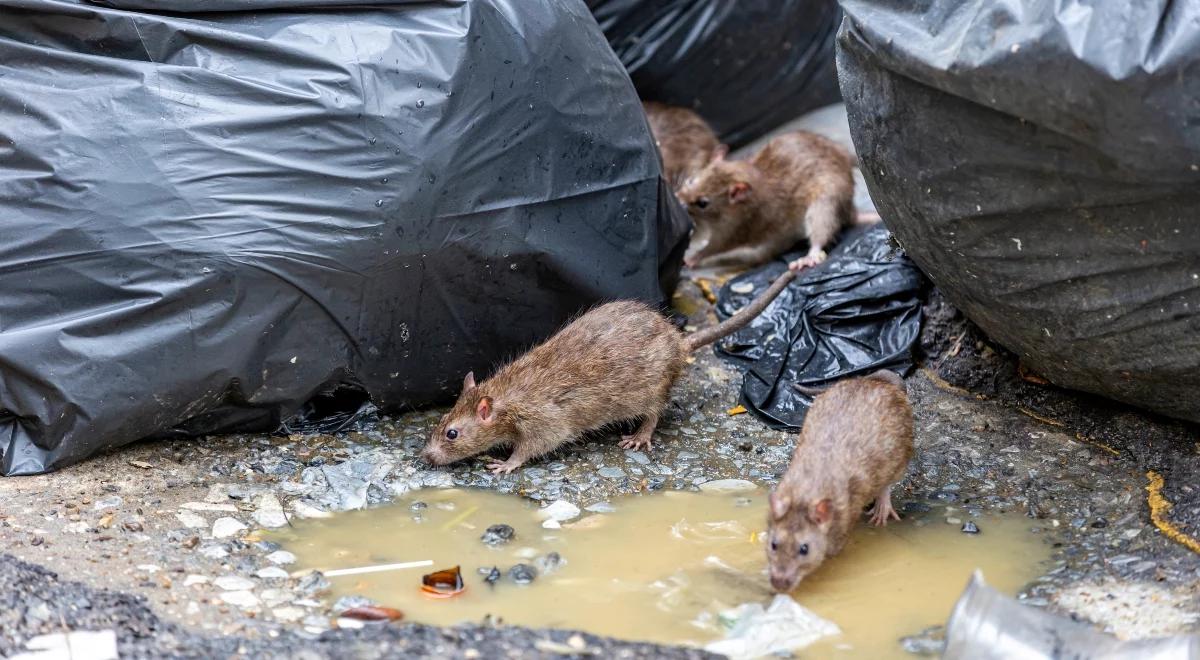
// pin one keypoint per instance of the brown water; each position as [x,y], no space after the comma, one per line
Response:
[662,566]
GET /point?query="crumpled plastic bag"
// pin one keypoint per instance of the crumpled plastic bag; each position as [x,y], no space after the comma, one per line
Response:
[987,625]
[857,313]
[783,626]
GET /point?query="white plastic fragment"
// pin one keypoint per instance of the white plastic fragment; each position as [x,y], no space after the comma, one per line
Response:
[782,627]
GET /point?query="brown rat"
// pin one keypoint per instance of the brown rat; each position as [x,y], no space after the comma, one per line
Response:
[856,442]
[615,363]
[684,139]
[800,186]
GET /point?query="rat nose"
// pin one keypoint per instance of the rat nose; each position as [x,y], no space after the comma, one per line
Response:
[780,583]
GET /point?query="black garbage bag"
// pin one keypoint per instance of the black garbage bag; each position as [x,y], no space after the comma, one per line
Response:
[857,313]
[214,210]
[745,66]
[1042,166]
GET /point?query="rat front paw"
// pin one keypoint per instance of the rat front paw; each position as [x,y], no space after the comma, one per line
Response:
[505,467]
[633,442]
[809,261]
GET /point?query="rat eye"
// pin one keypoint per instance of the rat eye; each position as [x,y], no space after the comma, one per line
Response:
[452,434]
[774,545]
[804,548]
[702,202]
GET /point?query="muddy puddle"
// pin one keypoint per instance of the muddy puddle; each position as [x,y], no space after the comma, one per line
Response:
[661,567]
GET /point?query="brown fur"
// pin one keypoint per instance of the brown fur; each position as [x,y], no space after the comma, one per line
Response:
[615,363]
[856,442]
[684,139]
[800,186]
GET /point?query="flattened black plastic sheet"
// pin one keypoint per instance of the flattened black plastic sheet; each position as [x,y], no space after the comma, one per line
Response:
[208,218]
[746,66]
[1041,163]
[857,313]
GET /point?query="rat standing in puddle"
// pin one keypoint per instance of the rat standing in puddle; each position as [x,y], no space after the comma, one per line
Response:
[800,186]
[856,442]
[615,363]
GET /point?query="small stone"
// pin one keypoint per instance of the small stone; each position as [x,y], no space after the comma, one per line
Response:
[611,472]
[560,510]
[551,524]
[266,546]
[269,513]
[314,584]
[243,599]
[233,583]
[271,573]
[141,464]
[601,507]
[346,623]
[498,535]
[305,510]
[953,521]
[742,287]
[418,506]
[522,573]
[191,520]
[287,614]
[350,602]
[214,552]
[727,486]
[281,557]
[192,580]
[970,527]
[549,563]
[638,457]
[226,527]
[493,575]
[1099,523]
[110,502]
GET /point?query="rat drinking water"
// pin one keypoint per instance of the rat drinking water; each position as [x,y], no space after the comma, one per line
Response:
[798,187]
[684,139]
[856,442]
[615,363]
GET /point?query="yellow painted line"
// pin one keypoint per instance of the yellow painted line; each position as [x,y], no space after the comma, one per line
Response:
[461,517]
[1159,508]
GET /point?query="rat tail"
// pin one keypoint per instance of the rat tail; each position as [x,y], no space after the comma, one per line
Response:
[743,317]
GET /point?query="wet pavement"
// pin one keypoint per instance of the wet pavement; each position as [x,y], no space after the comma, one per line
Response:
[176,522]
[164,538]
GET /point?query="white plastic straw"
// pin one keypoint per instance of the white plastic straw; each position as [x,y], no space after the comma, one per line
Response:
[377,569]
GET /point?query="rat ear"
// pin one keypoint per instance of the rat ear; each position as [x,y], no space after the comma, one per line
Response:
[484,410]
[739,191]
[719,153]
[469,382]
[779,504]
[821,512]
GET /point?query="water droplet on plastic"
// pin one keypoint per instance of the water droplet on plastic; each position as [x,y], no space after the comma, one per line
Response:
[383,180]
[420,103]
[379,202]
[372,140]
[418,84]
[512,266]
